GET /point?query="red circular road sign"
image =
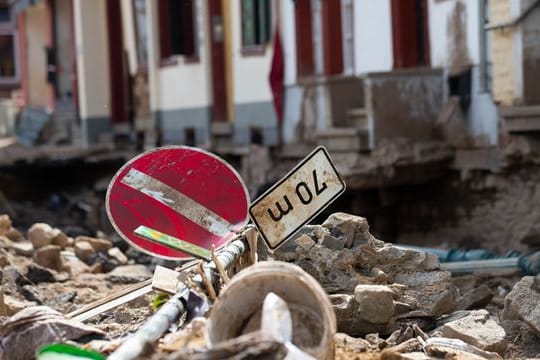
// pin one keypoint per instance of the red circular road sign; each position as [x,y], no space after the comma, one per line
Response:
[181,191]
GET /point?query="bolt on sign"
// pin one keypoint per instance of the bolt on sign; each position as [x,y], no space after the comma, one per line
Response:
[297,198]
[177,197]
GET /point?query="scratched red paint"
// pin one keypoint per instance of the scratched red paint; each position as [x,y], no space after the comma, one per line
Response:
[199,175]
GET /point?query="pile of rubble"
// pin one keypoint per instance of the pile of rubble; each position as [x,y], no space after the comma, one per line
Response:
[390,302]
[45,255]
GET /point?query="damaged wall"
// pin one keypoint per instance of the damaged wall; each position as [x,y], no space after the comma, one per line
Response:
[458,44]
[531,55]
[405,103]
[496,211]
[506,52]
[453,29]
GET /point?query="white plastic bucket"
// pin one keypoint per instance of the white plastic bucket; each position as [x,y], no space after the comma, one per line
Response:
[238,308]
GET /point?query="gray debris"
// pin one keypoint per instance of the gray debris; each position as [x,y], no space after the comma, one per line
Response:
[84,250]
[24,248]
[478,329]
[375,303]
[99,245]
[475,298]
[49,257]
[522,303]
[128,274]
[354,230]
[117,254]
[41,234]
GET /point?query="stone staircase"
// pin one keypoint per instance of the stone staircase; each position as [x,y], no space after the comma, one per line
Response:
[354,136]
[521,119]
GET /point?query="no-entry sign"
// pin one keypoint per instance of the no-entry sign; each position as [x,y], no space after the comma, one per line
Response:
[181,191]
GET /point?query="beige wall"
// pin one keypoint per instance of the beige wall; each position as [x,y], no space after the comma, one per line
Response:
[64,41]
[128,28]
[250,73]
[182,85]
[39,91]
[92,58]
[506,53]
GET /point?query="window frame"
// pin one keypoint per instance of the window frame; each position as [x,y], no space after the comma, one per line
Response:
[256,49]
[7,28]
[142,66]
[163,26]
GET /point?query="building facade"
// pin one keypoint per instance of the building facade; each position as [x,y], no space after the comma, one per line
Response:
[354,73]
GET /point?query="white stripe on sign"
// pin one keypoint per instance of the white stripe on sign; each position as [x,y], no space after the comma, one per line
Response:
[177,201]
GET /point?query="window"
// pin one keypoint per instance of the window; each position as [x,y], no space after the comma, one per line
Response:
[7,56]
[410,32]
[176,28]
[139,7]
[5,15]
[256,23]
[8,48]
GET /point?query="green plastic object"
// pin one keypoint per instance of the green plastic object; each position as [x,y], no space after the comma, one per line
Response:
[173,242]
[66,352]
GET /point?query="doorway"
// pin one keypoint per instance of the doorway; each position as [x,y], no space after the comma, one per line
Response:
[410,33]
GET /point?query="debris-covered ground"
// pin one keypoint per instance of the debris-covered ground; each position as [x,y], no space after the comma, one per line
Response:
[389,302]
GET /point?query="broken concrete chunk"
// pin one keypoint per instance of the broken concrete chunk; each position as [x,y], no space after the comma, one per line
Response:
[49,257]
[478,329]
[401,335]
[351,344]
[38,274]
[422,278]
[375,303]
[456,349]
[128,274]
[5,243]
[12,279]
[343,306]
[61,239]
[74,265]
[5,258]
[352,229]
[304,242]
[393,258]
[99,245]
[379,276]
[333,243]
[14,234]
[84,250]
[24,248]
[410,346]
[522,303]
[417,355]
[432,300]
[5,224]
[10,306]
[475,298]
[41,234]
[117,254]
